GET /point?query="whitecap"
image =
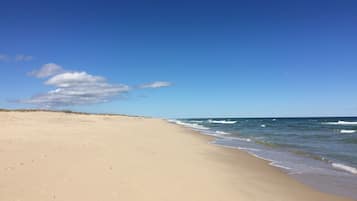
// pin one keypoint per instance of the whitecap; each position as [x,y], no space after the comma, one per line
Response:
[342,123]
[344,168]
[221,133]
[221,122]
[263,126]
[196,121]
[347,131]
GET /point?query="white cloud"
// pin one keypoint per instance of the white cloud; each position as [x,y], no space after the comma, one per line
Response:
[74,78]
[22,57]
[156,84]
[4,57]
[47,70]
[76,88]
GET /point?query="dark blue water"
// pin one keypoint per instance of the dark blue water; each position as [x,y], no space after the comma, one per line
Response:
[321,152]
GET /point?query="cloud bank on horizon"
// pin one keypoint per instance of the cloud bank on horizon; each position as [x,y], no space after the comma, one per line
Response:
[77,88]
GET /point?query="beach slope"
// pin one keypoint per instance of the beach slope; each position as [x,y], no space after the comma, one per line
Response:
[71,157]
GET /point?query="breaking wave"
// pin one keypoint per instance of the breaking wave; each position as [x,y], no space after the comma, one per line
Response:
[347,131]
[344,168]
[221,121]
[222,133]
[342,123]
[190,125]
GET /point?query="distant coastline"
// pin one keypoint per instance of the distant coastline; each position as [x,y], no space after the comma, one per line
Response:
[67,112]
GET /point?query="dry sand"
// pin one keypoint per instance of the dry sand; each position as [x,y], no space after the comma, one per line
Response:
[72,157]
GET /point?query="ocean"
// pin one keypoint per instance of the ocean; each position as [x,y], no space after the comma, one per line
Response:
[320,152]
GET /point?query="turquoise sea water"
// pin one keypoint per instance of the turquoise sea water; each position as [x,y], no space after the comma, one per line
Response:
[321,152]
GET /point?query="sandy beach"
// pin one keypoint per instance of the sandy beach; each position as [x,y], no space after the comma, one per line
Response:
[71,157]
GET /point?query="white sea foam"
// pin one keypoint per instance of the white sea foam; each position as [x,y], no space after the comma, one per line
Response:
[222,133]
[221,122]
[273,119]
[271,162]
[342,123]
[243,139]
[276,164]
[254,151]
[344,168]
[255,155]
[238,138]
[190,125]
[249,150]
[263,126]
[196,121]
[347,131]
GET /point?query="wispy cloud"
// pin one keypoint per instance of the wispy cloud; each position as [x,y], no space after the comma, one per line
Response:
[4,57]
[156,84]
[22,57]
[17,58]
[47,70]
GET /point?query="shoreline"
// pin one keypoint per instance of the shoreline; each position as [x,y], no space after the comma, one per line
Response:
[59,156]
[309,181]
[281,170]
[316,172]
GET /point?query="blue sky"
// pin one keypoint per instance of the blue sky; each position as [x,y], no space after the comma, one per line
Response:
[181,58]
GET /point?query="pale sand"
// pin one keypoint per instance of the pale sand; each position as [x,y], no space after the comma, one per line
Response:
[71,157]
